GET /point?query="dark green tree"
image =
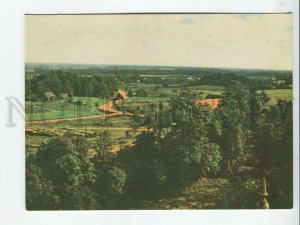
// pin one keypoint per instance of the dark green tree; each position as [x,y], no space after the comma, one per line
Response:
[273,150]
[103,145]
[234,114]
[65,163]
[39,190]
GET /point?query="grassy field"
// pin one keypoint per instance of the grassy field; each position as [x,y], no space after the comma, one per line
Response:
[62,109]
[133,102]
[276,94]
[158,90]
[202,90]
[116,125]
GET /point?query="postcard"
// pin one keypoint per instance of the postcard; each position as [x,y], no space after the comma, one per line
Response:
[159,111]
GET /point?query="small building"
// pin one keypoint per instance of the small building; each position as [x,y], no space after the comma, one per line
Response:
[65,96]
[122,95]
[49,95]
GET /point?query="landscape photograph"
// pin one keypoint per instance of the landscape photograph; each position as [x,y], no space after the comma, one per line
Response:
[158,111]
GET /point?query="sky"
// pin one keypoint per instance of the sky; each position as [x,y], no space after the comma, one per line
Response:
[251,41]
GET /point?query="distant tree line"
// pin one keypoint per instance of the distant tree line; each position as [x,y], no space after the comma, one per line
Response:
[58,82]
[101,82]
[222,79]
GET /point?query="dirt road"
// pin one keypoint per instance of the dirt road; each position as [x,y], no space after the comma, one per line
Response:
[107,108]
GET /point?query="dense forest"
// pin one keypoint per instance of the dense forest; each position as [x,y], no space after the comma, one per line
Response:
[59,82]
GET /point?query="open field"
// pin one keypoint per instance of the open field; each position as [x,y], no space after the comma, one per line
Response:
[36,134]
[276,94]
[134,102]
[61,109]
[157,90]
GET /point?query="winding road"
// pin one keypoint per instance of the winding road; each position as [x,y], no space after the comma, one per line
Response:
[107,108]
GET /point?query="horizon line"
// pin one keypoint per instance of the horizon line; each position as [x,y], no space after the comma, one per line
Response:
[145,65]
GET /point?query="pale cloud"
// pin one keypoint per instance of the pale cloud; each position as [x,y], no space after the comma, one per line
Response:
[203,40]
